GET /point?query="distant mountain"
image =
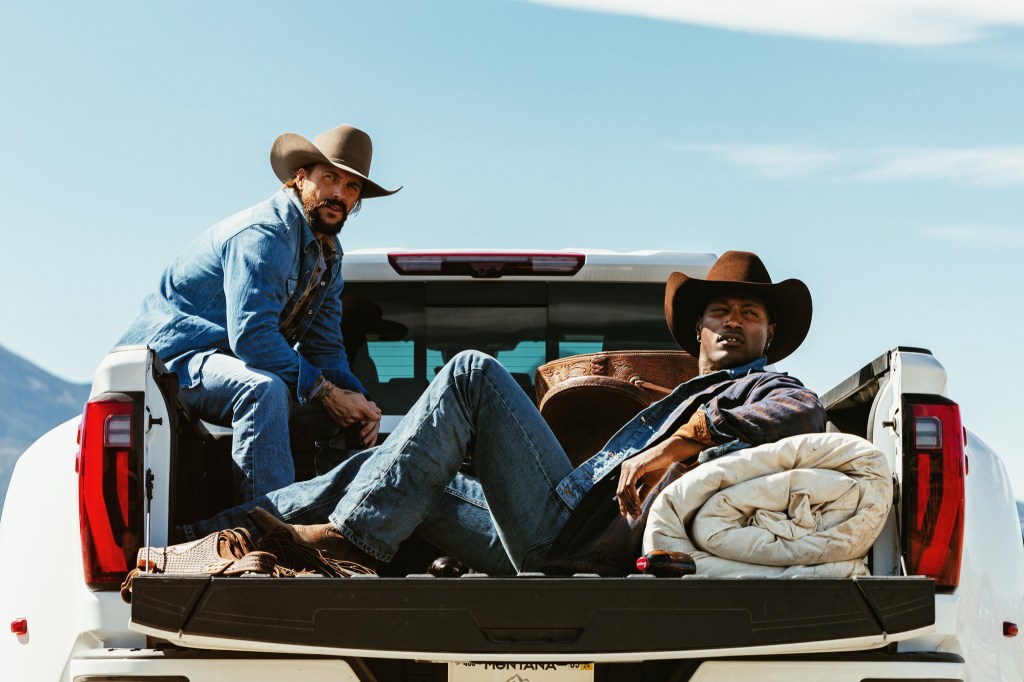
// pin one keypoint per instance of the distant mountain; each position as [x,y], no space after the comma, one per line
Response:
[32,401]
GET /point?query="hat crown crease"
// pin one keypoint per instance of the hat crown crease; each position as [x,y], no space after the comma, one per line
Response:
[739,266]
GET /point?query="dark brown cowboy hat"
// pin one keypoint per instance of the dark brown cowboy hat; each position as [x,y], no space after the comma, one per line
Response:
[739,272]
[344,147]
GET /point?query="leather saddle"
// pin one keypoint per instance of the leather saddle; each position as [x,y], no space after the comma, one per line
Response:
[586,399]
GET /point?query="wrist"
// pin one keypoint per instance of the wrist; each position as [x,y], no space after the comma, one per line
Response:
[681,448]
[325,391]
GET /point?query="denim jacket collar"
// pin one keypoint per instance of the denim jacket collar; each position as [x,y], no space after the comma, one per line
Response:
[743,370]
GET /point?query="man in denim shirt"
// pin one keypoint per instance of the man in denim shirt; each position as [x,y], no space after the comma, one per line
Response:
[509,516]
[249,317]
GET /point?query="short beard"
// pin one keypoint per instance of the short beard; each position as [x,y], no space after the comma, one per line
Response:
[316,220]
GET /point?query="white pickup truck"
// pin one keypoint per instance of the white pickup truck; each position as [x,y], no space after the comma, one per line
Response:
[943,602]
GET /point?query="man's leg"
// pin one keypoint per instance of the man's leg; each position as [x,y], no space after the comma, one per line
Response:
[305,502]
[460,525]
[379,497]
[255,404]
[472,407]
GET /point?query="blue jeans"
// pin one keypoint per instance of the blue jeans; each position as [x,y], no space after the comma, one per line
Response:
[258,406]
[504,519]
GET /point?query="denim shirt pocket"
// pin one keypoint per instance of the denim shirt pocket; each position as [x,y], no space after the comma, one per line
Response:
[291,285]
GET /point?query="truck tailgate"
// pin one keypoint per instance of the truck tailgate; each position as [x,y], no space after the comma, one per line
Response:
[482,618]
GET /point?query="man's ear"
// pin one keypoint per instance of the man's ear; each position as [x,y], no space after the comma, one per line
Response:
[300,176]
[771,334]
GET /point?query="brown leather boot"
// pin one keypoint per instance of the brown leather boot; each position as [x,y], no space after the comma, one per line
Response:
[310,540]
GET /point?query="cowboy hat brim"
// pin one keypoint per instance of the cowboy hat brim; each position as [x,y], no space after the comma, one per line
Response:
[789,300]
[291,152]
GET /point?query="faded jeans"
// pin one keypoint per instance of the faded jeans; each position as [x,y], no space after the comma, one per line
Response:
[504,519]
[261,411]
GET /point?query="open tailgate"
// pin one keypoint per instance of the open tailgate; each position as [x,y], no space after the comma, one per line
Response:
[483,618]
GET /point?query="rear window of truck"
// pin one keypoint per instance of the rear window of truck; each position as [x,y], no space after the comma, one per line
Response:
[522,324]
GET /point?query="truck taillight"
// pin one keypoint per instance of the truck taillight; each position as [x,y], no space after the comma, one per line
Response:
[934,483]
[487,265]
[110,492]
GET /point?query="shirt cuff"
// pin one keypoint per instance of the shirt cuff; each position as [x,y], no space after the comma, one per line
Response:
[696,429]
[316,387]
[309,376]
[723,449]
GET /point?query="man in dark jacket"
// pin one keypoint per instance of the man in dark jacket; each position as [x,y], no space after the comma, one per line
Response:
[525,493]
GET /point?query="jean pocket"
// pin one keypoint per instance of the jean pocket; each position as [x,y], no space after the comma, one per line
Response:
[291,285]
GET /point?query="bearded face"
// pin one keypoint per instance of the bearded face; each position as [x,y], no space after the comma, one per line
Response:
[326,216]
[328,196]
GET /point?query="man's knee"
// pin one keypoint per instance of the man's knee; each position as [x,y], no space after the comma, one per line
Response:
[470,360]
[268,391]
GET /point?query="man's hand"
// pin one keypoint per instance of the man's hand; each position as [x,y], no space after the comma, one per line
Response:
[369,431]
[350,407]
[644,465]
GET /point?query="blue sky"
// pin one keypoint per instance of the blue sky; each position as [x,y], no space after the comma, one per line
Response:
[878,158]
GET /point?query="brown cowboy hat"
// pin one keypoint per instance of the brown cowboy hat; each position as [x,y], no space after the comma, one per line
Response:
[742,272]
[344,147]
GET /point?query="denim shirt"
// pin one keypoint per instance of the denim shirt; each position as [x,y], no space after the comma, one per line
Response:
[744,406]
[232,289]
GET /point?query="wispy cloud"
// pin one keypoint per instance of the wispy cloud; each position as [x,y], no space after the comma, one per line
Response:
[980,166]
[982,236]
[773,160]
[894,22]
[992,166]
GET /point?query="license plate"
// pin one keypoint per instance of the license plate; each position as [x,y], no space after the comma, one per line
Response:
[520,672]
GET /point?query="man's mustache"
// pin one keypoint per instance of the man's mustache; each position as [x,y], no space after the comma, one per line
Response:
[335,204]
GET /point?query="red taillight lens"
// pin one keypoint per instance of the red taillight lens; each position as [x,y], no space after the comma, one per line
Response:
[487,265]
[934,474]
[110,490]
